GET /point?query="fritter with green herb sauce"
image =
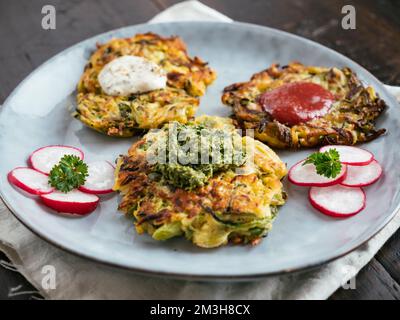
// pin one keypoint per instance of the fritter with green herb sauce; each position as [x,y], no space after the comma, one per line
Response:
[231,195]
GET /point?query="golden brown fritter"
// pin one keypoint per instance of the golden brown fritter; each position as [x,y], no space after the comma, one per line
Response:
[234,205]
[350,120]
[121,116]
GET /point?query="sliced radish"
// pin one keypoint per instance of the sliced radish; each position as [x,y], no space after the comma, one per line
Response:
[44,159]
[307,176]
[361,176]
[338,200]
[100,179]
[351,155]
[75,201]
[30,180]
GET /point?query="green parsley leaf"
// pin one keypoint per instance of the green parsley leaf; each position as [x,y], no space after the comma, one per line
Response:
[326,163]
[70,173]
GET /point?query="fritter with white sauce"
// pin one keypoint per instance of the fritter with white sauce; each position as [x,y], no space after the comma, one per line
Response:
[123,116]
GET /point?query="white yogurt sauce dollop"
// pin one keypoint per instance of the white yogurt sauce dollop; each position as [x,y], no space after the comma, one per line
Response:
[131,74]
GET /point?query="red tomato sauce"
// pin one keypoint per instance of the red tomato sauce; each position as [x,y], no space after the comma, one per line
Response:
[297,102]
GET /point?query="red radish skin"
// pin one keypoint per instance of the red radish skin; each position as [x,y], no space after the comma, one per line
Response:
[337,201]
[351,155]
[100,179]
[74,202]
[362,176]
[42,162]
[307,176]
[30,180]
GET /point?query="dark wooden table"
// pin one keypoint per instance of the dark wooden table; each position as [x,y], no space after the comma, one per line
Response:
[375,44]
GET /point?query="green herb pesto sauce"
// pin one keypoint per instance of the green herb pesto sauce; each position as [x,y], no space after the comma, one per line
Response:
[189,155]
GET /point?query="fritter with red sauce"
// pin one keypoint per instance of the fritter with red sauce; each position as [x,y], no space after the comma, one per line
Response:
[298,106]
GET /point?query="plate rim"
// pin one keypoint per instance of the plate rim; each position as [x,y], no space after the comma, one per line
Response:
[189,276]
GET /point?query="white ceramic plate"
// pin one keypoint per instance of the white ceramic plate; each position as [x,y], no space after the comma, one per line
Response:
[38,113]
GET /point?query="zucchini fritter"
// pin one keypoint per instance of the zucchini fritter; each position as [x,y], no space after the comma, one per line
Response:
[235,203]
[122,116]
[350,120]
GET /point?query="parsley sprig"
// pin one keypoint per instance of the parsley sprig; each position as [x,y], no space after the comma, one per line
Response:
[326,163]
[70,173]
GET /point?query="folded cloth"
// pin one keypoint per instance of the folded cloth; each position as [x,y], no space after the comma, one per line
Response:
[78,278]
[189,11]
